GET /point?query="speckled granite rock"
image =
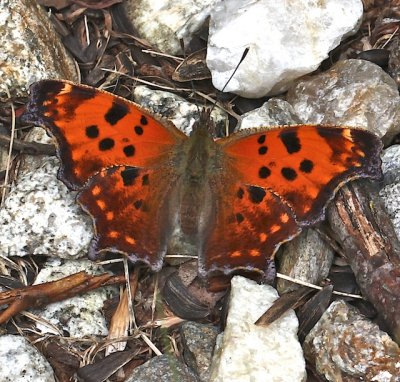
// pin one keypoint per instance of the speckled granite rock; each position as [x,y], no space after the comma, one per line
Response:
[40,216]
[352,93]
[176,109]
[30,47]
[345,346]
[390,192]
[274,112]
[307,257]
[163,368]
[198,345]
[21,362]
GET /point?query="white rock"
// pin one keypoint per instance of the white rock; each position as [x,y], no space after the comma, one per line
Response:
[21,362]
[287,39]
[249,353]
[80,315]
[30,47]
[164,22]
[390,192]
[40,216]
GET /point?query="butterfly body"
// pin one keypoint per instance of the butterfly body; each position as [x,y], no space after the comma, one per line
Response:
[234,200]
[190,202]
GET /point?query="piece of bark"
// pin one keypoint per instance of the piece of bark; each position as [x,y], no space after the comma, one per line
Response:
[371,247]
[35,296]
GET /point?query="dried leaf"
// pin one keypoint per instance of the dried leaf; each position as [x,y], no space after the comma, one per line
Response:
[285,302]
[193,68]
[312,310]
[180,301]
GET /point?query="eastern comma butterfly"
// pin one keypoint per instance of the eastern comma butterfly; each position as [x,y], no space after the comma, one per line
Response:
[237,198]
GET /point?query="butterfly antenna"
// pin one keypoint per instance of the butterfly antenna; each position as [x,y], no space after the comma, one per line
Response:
[231,76]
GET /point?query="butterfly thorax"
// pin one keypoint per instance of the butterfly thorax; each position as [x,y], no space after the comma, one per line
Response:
[194,196]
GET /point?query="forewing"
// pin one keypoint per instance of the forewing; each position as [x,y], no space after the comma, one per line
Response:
[304,165]
[95,129]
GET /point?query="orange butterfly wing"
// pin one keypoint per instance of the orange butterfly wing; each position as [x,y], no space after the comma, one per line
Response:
[120,157]
[130,209]
[95,129]
[278,181]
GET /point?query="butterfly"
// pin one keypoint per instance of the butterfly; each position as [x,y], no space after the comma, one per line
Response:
[236,199]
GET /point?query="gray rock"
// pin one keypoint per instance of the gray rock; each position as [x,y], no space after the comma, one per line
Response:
[345,346]
[279,51]
[31,49]
[21,362]
[274,112]
[163,368]
[249,353]
[307,257]
[176,109]
[198,344]
[352,93]
[390,192]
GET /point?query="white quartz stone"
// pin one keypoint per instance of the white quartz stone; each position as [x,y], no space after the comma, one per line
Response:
[287,39]
[21,362]
[249,353]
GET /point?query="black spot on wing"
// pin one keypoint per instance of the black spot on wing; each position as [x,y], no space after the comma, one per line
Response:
[129,150]
[291,141]
[306,166]
[116,112]
[239,217]
[138,130]
[264,172]
[263,150]
[288,173]
[256,194]
[129,175]
[240,193]
[92,131]
[106,144]
[138,204]
[261,139]
[143,120]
